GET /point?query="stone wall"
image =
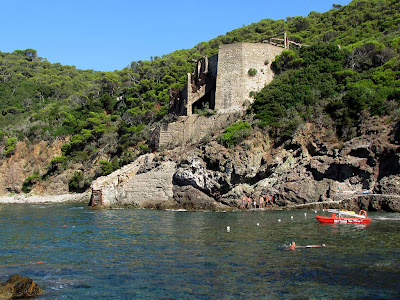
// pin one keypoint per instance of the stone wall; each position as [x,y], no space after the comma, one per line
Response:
[151,187]
[110,186]
[230,82]
[138,184]
[191,129]
[234,83]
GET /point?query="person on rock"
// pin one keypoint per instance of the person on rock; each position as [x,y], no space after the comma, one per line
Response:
[262,202]
[244,200]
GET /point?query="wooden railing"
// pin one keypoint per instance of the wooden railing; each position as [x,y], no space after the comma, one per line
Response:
[284,42]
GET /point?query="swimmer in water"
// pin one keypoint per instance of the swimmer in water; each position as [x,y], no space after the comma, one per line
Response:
[292,246]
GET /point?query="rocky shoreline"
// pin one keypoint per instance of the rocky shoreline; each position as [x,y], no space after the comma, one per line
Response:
[312,169]
[383,203]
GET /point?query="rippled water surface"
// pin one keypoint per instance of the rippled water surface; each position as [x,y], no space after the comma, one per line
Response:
[128,254]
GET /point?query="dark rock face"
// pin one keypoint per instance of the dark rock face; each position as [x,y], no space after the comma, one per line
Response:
[195,173]
[191,198]
[372,203]
[18,286]
[306,169]
[381,203]
[314,167]
[389,185]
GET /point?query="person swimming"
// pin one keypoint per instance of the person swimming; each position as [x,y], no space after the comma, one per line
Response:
[293,246]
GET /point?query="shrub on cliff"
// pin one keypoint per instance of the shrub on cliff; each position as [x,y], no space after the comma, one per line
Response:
[29,182]
[107,167]
[10,146]
[235,134]
[252,72]
[78,183]
[57,163]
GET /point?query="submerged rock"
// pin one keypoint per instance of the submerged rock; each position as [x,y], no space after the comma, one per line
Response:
[18,286]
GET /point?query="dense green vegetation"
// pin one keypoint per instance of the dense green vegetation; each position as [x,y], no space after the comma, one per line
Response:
[107,116]
[356,69]
[235,134]
[325,79]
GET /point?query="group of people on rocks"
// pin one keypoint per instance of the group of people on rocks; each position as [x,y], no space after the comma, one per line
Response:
[257,202]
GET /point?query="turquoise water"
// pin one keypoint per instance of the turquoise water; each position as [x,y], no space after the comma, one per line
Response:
[128,254]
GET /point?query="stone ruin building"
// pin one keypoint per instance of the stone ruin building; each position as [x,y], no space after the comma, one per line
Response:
[223,83]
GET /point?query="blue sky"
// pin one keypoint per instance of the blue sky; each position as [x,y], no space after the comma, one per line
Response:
[108,35]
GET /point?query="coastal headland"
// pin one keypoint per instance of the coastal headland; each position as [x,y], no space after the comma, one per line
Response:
[296,112]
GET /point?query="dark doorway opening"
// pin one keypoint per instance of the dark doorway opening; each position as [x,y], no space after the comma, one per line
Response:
[205,103]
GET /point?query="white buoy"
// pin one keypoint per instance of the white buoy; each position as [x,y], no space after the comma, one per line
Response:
[258,224]
[315,211]
[279,220]
[228,229]
[305,214]
[291,217]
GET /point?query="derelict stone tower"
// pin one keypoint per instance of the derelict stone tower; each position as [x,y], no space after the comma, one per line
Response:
[234,83]
[222,83]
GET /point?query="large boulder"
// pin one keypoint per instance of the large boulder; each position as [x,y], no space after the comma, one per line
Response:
[190,198]
[389,185]
[18,286]
[194,172]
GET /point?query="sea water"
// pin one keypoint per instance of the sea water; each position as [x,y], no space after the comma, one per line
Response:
[74,252]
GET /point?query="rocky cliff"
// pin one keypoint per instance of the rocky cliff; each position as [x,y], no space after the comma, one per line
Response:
[33,160]
[313,167]
[28,160]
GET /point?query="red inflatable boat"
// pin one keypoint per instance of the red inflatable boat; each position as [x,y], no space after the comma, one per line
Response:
[344,217]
